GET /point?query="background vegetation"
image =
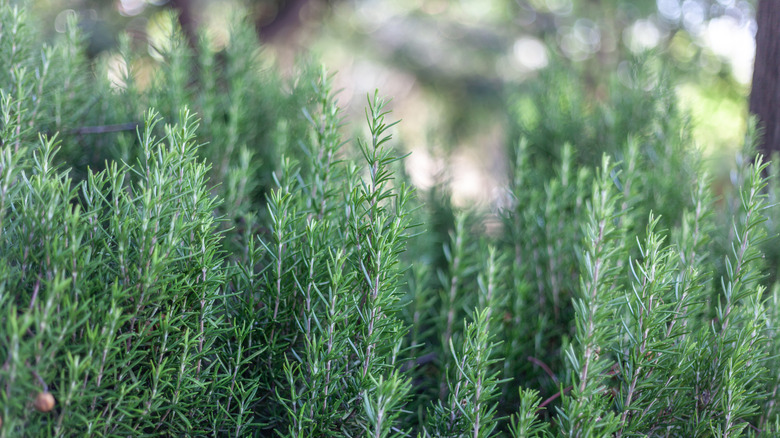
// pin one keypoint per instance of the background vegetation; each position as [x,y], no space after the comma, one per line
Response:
[455,68]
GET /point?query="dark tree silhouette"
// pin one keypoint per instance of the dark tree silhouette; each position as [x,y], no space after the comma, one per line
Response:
[765,96]
[287,18]
[186,19]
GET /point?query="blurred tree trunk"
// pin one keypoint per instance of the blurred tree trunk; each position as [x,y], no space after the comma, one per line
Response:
[765,96]
[287,19]
[186,20]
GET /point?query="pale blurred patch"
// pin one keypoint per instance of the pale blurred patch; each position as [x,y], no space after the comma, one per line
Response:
[642,35]
[159,30]
[217,19]
[530,53]
[117,71]
[719,123]
[61,20]
[735,41]
[478,169]
[580,41]
[131,8]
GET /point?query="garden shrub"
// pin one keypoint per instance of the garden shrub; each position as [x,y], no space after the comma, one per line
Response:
[201,253]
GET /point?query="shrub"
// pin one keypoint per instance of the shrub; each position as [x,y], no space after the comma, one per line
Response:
[241,270]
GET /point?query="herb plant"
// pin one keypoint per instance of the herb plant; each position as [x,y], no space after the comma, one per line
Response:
[204,254]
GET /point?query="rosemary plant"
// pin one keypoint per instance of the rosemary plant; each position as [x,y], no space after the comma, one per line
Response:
[229,264]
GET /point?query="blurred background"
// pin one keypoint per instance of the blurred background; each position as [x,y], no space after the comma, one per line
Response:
[458,71]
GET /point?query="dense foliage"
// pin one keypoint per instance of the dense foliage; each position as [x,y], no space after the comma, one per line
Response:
[201,253]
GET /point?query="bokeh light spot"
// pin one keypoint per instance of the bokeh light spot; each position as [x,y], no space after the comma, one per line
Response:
[61,21]
[669,9]
[725,37]
[530,53]
[642,35]
[117,72]
[131,8]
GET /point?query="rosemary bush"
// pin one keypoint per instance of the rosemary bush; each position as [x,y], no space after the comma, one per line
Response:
[202,253]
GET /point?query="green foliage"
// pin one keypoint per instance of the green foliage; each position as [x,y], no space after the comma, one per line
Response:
[108,294]
[470,405]
[472,377]
[586,411]
[240,271]
[526,423]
